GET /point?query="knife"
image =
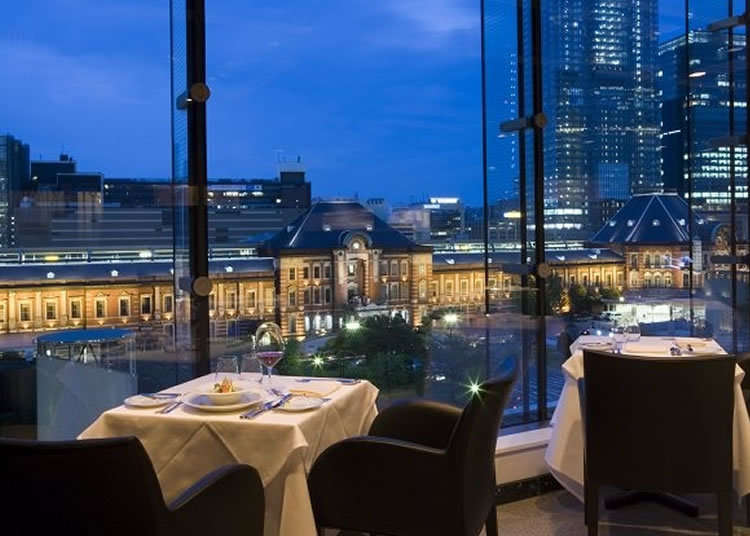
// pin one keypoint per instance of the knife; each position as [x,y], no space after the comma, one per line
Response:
[265,407]
[160,396]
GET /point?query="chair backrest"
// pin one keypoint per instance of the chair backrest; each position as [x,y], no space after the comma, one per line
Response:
[743,360]
[659,424]
[472,449]
[100,486]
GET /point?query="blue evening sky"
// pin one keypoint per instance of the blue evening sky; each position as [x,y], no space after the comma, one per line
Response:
[379,98]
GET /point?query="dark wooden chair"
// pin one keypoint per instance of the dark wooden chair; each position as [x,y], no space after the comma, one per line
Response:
[108,486]
[426,469]
[658,426]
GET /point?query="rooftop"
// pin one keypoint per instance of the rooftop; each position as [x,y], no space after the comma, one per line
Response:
[330,225]
[654,219]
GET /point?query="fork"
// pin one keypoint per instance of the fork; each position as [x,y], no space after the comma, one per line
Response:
[265,407]
[342,381]
[170,407]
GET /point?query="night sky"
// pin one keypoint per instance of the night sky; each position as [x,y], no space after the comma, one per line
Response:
[379,98]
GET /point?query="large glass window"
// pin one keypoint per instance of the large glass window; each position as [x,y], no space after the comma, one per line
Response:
[609,188]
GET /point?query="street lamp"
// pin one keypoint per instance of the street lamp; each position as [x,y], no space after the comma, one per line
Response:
[352,325]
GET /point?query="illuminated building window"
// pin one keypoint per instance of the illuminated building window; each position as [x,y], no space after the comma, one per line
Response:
[231,300]
[291,274]
[50,311]
[24,312]
[145,305]
[125,306]
[251,298]
[211,302]
[327,271]
[316,271]
[100,308]
[306,272]
[75,309]
[168,303]
[292,298]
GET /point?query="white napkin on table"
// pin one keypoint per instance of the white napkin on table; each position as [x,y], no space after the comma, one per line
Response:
[320,389]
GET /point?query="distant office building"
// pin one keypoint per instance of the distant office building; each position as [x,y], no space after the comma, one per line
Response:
[14,173]
[704,117]
[44,172]
[447,218]
[603,135]
[290,190]
[137,193]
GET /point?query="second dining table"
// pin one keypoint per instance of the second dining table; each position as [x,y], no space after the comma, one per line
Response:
[185,444]
[564,454]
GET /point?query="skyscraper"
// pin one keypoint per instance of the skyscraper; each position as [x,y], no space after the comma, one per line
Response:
[692,126]
[14,175]
[602,145]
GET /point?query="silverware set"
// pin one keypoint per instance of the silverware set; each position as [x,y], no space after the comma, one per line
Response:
[267,406]
[342,381]
[171,407]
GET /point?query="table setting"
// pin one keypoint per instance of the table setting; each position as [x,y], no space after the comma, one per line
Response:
[564,454]
[277,424]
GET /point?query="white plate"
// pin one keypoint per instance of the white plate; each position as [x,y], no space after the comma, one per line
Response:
[301,403]
[201,402]
[140,401]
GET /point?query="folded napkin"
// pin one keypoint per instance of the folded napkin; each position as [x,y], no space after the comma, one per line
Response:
[646,348]
[320,389]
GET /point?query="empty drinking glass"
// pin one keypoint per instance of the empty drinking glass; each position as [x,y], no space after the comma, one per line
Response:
[228,364]
[633,332]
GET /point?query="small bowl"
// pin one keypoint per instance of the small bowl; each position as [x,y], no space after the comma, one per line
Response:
[224,399]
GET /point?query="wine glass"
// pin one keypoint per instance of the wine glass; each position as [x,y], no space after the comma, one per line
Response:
[269,347]
[227,364]
[619,336]
[633,332]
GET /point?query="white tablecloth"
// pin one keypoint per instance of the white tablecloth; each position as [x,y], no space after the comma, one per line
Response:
[186,444]
[564,455]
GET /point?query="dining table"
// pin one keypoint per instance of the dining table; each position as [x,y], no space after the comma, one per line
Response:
[564,453]
[186,443]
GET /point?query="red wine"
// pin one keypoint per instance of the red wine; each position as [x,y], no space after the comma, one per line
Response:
[270,358]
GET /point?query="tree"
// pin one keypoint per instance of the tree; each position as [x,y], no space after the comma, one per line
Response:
[555,294]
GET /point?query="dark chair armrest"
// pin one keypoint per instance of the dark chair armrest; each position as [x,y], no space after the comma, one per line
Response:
[382,486]
[421,421]
[227,500]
